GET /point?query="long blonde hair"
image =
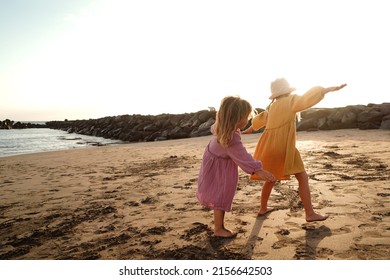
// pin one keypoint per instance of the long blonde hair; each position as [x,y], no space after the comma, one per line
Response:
[232,111]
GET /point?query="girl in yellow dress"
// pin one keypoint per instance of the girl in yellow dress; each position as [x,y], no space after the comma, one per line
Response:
[276,147]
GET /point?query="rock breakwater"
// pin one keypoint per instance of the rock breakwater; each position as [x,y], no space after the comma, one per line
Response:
[372,116]
[9,124]
[136,128]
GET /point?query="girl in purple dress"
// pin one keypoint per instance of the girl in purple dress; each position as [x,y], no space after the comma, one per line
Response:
[218,176]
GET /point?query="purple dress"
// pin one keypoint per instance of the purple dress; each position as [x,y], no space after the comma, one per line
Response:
[218,176]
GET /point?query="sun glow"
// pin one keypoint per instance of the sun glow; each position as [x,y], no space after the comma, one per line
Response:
[149,57]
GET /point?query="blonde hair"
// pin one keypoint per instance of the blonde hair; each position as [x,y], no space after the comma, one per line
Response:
[232,111]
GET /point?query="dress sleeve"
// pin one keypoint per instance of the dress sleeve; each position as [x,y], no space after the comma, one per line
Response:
[259,120]
[241,157]
[307,100]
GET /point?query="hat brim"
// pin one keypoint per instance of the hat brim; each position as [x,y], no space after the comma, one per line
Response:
[275,95]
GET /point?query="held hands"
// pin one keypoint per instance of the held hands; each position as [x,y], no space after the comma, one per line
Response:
[266,175]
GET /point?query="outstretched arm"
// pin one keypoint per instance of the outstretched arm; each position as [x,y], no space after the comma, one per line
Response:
[311,97]
[330,89]
[249,130]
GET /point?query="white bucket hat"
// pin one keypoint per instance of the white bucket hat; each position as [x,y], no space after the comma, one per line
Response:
[280,87]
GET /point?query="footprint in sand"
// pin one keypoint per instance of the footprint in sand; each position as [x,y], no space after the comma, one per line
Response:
[343,230]
[196,230]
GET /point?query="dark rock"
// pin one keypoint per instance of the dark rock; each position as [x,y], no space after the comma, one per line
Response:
[370,119]
[9,124]
[307,124]
[385,124]
[372,116]
[323,124]
[341,118]
[135,128]
[385,109]
[315,113]
[143,128]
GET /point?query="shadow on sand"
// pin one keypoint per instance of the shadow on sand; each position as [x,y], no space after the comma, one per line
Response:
[254,236]
[306,251]
[313,237]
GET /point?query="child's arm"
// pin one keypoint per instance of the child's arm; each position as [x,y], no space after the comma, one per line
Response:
[258,122]
[249,130]
[245,161]
[311,97]
[330,89]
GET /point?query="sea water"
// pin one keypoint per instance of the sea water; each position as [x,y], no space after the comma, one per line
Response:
[34,140]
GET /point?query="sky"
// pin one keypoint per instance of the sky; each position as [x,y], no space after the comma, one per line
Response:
[82,59]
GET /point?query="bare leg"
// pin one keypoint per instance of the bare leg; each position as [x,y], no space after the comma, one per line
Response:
[265,193]
[219,227]
[304,193]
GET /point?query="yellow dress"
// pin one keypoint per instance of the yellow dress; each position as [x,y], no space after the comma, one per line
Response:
[276,147]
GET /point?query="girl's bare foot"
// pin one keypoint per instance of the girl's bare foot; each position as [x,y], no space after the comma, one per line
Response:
[316,217]
[225,233]
[264,212]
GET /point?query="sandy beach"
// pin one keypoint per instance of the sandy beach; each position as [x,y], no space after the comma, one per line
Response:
[137,201]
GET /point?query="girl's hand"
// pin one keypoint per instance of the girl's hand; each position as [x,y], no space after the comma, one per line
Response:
[266,175]
[339,87]
[329,89]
